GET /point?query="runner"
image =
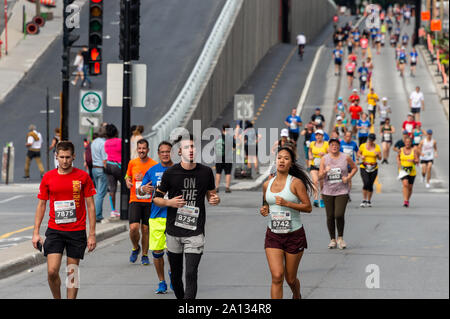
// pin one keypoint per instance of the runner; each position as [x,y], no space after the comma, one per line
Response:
[317,118]
[417,134]
[372,101]
[402,61]
[140,205]
[224,156]
[363,76]
[317,149]
[69,189]
[369,153]
[293,122]
[428,152]
[406,162]
[405,39]
[364,42]
[350,148]
[386,131]
[337,55]
[369,66]
[284,197]
[301,41]
[416,103]
[307,132]
[350,68]
[409,125]
[354,97]
[158,215]
[334,171]
[384,110]
[401,143]
[340,128]
[340,106]
[363,127]
[413,61]
[378,40]
[355,111]
[350,44]
[187,184]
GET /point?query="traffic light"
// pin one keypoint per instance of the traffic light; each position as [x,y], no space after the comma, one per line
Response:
[132,34]
[95,61]
[69,23]
[95,23]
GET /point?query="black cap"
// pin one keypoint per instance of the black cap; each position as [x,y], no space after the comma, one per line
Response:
[372,137]
[334,140]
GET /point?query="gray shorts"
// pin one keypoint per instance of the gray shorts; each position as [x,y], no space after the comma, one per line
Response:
[188,245]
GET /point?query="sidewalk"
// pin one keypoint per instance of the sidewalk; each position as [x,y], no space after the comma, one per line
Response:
[23,52]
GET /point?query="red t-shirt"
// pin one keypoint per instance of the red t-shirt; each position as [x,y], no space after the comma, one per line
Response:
[68,191]
[355,110]
[409,126]
[353,98]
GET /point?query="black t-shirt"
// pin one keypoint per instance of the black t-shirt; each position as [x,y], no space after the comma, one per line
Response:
[85,55]
[193,185]
[315,116]
[399,144]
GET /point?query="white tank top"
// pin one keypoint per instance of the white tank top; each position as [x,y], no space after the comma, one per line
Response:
[427,150]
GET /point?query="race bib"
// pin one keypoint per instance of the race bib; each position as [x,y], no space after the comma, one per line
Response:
[409,127]
[146,196]
[293,125]
[308,143]
[317,161]
[348,151]
[281,222]
[364,78]
[370,107]
[65,212]
[413,59]
[187,217]
[383,113]
[387,136]
[417,139]
[318,120]
[334,175]
[370,167]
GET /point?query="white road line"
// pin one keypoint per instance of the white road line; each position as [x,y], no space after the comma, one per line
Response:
[11,198]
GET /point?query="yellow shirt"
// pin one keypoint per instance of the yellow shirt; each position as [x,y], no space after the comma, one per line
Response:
[406,161]
[369,156]
[316,151]
[372,99]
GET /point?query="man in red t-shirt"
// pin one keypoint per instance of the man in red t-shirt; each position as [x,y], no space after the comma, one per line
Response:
[355,111]
[69,189]
[409,125]
[354,97]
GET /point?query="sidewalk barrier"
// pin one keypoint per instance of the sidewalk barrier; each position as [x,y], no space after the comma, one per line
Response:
[39,20]
[185,102]
[32,28]
[8,163]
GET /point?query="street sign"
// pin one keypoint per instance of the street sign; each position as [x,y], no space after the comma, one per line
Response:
[425,15]
[244,105]
[435,25]
[90,111]
[114,85]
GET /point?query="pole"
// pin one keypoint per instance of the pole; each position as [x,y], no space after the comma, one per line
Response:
[417,22]
[47,102]
[8,158]
[65,81]
[38,7]
[6,27]
[126,104]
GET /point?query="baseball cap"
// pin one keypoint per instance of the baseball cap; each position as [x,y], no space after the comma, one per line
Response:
[355,90]
[430,132]
[285,132]
[405,132]
[339,118]
[317,108]
[340,98]
[384,99]
[319,132]
[410,114]
[334,140]
[372,137]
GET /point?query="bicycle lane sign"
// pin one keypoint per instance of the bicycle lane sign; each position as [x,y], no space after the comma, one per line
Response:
[90,111]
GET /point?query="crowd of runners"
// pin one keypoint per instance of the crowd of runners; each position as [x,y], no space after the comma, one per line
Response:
[167,210]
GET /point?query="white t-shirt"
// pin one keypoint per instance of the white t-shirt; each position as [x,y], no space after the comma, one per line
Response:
[416,99]
[35,144]
[301,39]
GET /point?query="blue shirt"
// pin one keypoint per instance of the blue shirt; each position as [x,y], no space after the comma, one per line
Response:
[349,148]
[98,151]
[154,175]
[338,54]
[365,130]
[290,119]
[413,56]
[326,137]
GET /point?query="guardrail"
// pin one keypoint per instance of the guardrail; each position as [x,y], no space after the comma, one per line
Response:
[187,100]
[440,69]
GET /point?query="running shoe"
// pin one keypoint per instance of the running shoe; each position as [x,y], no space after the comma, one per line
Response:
[162,288]
[134,254]
[316,203]
[405,203]
[144,260]
[115,213]
[227,190]
[341,244]
[322,204]
[368,203]
[427,185]
[363,204]
[332,244]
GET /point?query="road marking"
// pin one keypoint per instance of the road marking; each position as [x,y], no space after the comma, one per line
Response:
[11,199]
[15,232]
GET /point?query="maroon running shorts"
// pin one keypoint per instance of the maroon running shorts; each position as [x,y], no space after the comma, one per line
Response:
[292,243]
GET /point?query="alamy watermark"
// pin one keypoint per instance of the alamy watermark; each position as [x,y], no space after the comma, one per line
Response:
[373,279]
[73,18]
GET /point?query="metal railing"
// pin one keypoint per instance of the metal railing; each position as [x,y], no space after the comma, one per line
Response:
[187,100]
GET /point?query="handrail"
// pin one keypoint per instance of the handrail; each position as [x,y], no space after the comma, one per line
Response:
[188,98]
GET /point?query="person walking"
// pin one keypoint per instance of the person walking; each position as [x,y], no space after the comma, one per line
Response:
[33,144]
[69,191]
[113,165]
[369,152]
[158,215]
[79,64]
[337,170]
[224,156]
[99,158]
[140,205]
[85,55]
[428,153]
[187,184]
[407,159]
[55,140]
[285,196]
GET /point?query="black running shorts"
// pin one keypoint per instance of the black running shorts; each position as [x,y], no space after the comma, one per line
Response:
[75,242]
[139,212]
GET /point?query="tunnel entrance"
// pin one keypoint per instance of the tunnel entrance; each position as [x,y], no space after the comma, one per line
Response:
[285,33]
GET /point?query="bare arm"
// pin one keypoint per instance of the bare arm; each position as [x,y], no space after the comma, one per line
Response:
[91,243]
[39,216]
[299,189]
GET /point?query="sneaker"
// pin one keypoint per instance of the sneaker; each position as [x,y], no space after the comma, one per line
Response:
[316,203]
[162,288]
[349,198]
[227,190]
[134,254]
[322,204]
[341,244]
[363,204]
[427,185]
[26,177]
[144,260]
[405,203]
[368,203]
[115,213]
[332,244]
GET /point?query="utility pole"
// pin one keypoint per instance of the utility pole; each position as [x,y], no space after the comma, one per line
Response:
[417,22]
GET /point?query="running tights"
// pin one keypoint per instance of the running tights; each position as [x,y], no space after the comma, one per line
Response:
[335,207]
[176,268]
[368,179]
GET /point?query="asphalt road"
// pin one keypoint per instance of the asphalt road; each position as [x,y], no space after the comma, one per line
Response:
[172,37]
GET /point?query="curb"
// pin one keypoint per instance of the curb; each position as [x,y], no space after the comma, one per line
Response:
[31,257]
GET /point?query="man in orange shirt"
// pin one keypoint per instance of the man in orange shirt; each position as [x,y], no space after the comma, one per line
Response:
[140,206]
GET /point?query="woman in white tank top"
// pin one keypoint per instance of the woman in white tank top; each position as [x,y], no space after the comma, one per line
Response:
[428,152]
[284,197]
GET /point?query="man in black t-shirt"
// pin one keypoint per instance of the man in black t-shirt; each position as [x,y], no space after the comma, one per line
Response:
[183,190]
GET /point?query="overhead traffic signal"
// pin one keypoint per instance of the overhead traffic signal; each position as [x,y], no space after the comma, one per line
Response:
[131,31]
[95,36]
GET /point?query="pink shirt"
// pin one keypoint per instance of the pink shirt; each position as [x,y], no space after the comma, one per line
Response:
[113,148]
[333,185]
